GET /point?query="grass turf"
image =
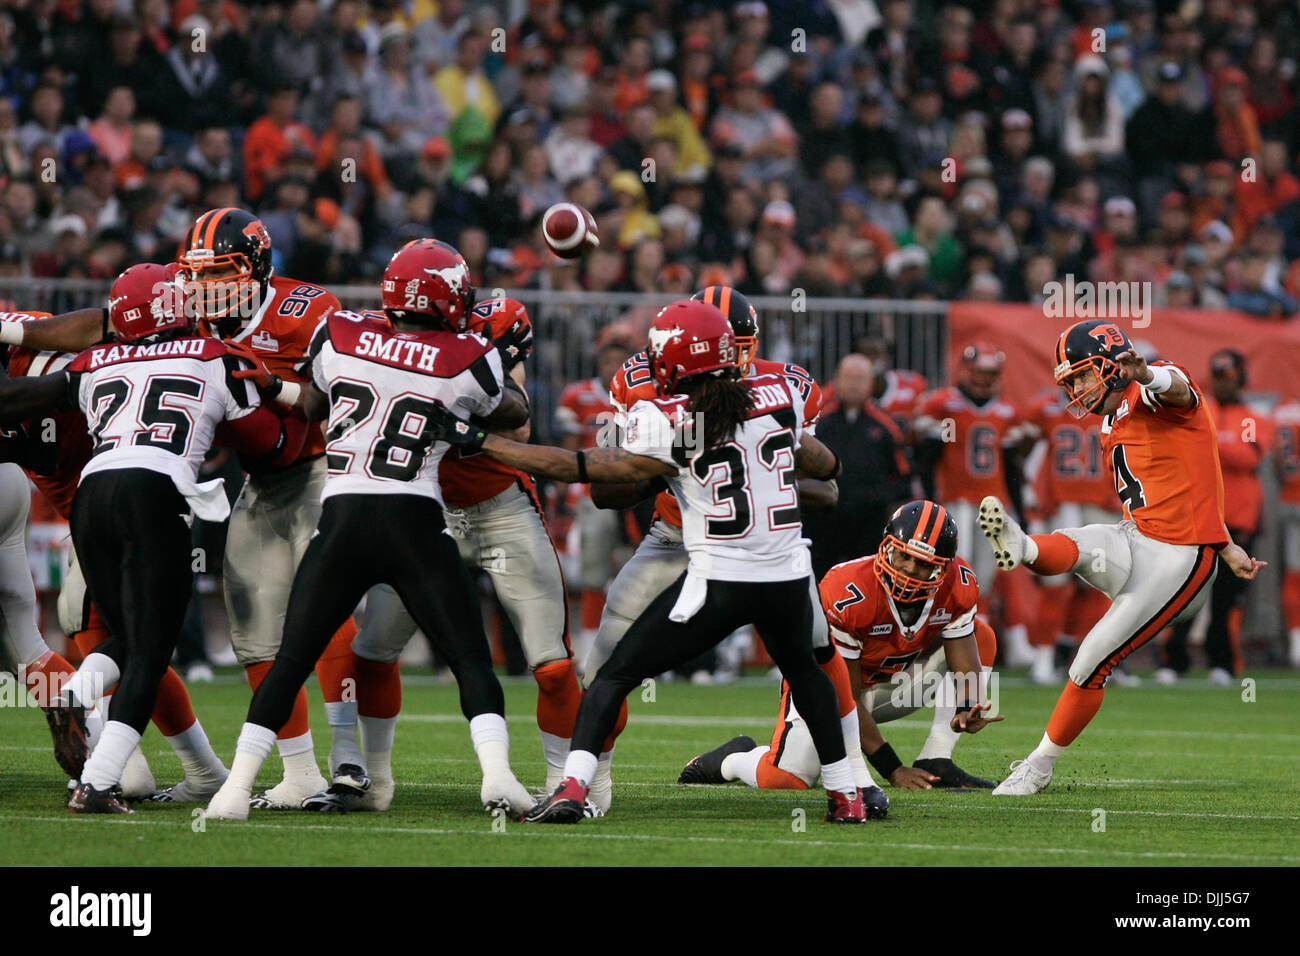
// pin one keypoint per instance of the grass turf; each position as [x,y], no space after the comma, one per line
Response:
[1191,775]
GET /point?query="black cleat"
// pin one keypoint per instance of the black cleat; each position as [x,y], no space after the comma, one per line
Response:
[350,784]
[707,767]
[86,799]
[67,720]
[951,776]
[566,805]
[876,801]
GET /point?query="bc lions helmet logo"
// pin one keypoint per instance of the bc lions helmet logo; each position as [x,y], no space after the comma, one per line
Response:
[255,230]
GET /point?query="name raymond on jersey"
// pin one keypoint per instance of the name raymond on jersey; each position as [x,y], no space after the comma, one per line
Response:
[77,909]
[165,349]
[409,352]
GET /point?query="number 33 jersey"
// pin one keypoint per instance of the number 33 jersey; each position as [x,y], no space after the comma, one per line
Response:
[740,509]
[382,385]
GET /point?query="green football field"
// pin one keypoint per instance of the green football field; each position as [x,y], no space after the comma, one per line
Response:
[1191,775]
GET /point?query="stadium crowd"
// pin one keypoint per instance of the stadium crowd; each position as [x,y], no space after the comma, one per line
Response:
[895,148]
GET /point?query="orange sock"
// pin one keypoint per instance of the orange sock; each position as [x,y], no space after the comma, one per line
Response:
[838,672]
[90,639]
[1057,553]
[558,697]
[985,640]
[334,669]
[172,712]
[379,688]
[593,604]
[1291,598]
[608,745]
[297,724]
[1074,709]
[45,676]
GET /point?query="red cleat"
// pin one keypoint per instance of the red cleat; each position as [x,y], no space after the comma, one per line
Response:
[845,808]
[565,805]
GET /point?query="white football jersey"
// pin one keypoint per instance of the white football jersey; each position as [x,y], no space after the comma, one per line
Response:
[381,385]
[157,406]
[740,507]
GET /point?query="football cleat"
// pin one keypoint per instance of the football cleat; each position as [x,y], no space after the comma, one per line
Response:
[137,779]
[504,792]
[288,794]
[845,807]
[229,803]
[1004,534]
[67,720]
[351,783]
[951,776]
[566,805]
[876,802]
[707,767]
[191,790]
[1025,779]
[86,799]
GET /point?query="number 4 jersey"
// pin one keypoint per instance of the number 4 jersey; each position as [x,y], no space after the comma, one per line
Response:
[740,509]
[382,386]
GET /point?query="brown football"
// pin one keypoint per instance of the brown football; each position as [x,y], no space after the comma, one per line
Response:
[569,230]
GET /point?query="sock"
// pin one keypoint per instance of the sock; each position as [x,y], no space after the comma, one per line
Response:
[744,766]
[172,712]
[297,725]
[942,737]
[344,745]
[838,776]
[1051,553]
[1291,598]
[593,604]
[97,675]
[253,747]
[581,766]
[91,637]
[104,766]
[338,685]
[491,740]
[1074,709]
[46,676]
[1044,755]
[608,746]
[379,765]
[558,698]
[197,757]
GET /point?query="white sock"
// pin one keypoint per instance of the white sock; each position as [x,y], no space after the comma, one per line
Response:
[342,719]
[853,747]
[838,776]
[743,766]
[581,766]
[195,752]
[301,766]
[1044,755]
[491,740]
[96,675]
[294,746]
[377,733]
[104,767]
[1031,550]
[379,765]
[554,749]
[252,748]
[942,737]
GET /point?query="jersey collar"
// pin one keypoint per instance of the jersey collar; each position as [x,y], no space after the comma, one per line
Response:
[911,633]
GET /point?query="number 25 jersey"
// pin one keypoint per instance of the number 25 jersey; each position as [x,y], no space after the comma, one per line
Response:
[740,510]
[382,385]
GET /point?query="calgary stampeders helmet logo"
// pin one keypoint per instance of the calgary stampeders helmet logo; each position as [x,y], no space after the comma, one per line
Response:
[1093,345]
[429,277]
[918,547]
[689,338]
[145,300]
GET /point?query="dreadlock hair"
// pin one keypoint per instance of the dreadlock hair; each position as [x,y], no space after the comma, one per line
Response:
[721,401]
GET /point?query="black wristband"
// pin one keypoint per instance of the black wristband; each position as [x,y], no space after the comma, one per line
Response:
[275,388]
[834,472]
[582,467]
[884,760]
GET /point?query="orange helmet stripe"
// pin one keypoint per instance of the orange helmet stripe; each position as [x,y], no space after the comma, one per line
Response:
[924,520]
[941,515]
[724,301]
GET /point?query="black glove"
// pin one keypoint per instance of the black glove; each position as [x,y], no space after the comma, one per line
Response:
[456,431]
[515,344]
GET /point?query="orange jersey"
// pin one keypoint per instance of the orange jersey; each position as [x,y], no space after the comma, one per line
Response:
[71,439]
[1166,465]
[584,409]
[281,332]
[1073,469]
[973,437]
[866,625]
[472,479]
[1286,427]
[1245,436]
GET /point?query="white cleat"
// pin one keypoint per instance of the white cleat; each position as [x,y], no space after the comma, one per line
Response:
[1004,534]
[191,790]
[1220,678]
[1025,779]
[137,779]
[1166,677]
[504,792]
[230,803]
[289,794]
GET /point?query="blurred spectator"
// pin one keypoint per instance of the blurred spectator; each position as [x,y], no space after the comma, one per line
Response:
[291,47]
[673,121]
[112,131]
[211,158]
[46,124]
[1251,295]
[401,100]
[764,136]
[272,139]
[569,148]
[199,93]
[463,84]
[1236,128]
[1093,136]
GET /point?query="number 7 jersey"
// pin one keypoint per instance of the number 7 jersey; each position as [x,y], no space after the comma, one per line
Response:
[740,509]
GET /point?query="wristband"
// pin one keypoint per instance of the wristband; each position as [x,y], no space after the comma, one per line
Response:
[582,468]
[288,393]
[884,760]
[1161,380]
[11,333]
[834,472]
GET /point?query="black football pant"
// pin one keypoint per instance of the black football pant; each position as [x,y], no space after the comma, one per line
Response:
[1226,595]
[654,644]
[133,545]
[364,540]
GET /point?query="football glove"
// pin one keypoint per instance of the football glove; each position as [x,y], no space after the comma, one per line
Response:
[456,431]
[262,377]
[515,344]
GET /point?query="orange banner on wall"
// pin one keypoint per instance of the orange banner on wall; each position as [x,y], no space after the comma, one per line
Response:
[1186,336]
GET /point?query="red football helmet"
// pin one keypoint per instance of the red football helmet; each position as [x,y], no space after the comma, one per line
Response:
[689,338]
[145,300]
[428,277]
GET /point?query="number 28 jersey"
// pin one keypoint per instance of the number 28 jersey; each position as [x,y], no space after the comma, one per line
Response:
[740,509]
[382,386]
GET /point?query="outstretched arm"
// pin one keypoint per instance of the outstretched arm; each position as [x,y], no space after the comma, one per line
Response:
[69,332]
[21,398]
[592,465]
[1176,394]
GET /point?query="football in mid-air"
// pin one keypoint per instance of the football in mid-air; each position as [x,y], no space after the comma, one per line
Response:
[569,230]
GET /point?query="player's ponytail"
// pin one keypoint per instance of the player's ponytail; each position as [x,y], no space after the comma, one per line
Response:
[722,403]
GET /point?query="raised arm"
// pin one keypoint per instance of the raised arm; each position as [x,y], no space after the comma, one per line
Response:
[1169,385]
[69,332]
